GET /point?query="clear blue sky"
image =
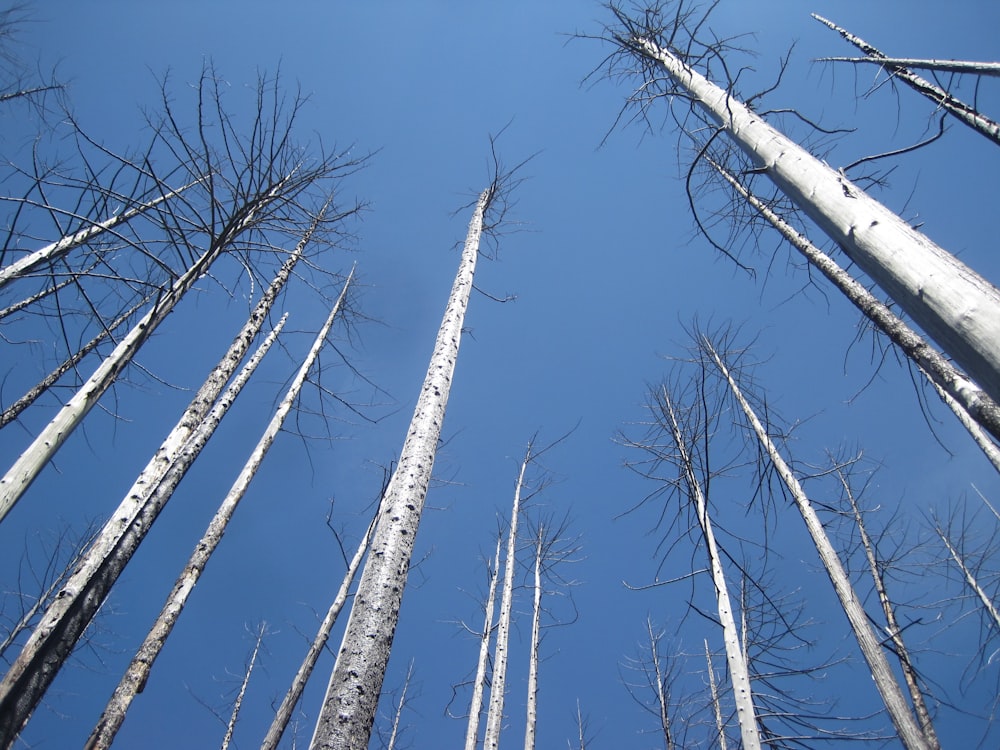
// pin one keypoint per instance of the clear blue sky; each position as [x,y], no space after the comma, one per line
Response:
[608,270]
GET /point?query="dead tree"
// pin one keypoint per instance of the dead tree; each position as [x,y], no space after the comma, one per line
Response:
[966,113]
[956,306]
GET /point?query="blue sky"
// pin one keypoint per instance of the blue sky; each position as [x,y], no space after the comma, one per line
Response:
[608,271]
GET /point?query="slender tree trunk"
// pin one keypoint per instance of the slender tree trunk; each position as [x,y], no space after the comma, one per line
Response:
[536,623]
[44,447]
[871,648]
[892,625]
[501,649]
[134,679]
[944,66]
[479,683]
[397,718]
[58,249]
[71,612]
[971,399]
[941,98]
[739,673]
[351,699]
[238,703]
[954,305]
[284,713]
[716,705]
[970,578]
[13,411]
[662,696]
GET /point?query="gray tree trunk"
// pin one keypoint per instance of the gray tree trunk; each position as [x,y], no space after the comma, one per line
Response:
[479,682]
[957,307]
[501,649]
[871,648]
[134,679]
[70,614]
[966,113]
[348,711]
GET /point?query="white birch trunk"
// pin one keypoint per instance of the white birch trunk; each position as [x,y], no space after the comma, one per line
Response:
[351,698]
[871,648]
[971,400]
[397,719]
[739,673]
[81,598]
[43,448]
[957,307]
[479,683]
[501,649]
[284,713]
[238,703]
[536,624]
[134,679]
[57,249]
[964,112]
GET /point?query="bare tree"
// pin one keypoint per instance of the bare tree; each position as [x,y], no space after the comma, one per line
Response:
[238,702]
[966,113]
[351,698]
[889,689]
[654,690]
[138,670]
[944,66]
[955,305]
[479,681]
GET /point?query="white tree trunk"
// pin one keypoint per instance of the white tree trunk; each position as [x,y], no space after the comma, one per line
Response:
[536,634]
[739,673]
[720,726]
[957,307]
[479,683]
[134,679]
[871,648]
[43,448]
[945,66]
[349,705]
[501,649]
[961,392]
[71,612]
[57,249]
[284,713]
[941,98]
[238,703]
[970,578]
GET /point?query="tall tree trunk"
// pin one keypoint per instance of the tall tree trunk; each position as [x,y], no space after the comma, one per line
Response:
[134,679]
[400,704]
[739,673]
[536,623]
[501,649]
[44,447]
[957,307]
[662,688]
[348,711]
[944,66]
[892,625]
[284,713]
[479,683]
[58,249]
[85,592]
[965,394]
[238,703]
[966,113]
[970,578]
[720,727]
[892,695]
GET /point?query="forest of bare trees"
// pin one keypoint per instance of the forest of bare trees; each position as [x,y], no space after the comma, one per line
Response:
[697,448]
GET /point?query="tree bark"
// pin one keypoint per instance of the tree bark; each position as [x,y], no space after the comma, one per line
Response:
[957,307]
[348,711]
[871,648]
[536,622]
[479,683]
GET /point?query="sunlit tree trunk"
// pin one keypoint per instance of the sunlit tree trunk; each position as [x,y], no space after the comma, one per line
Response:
[536,623]
[58,249]
[501,649]
[739,673]
[966,113]
[398,715]
[885,681]
[238,703]
[943,66]
[479,682]
[892,625]
[71,612]
[954,305]
[351,699]
[970,399]
[989,608]
[134,679]
[720,726]
[284,713]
